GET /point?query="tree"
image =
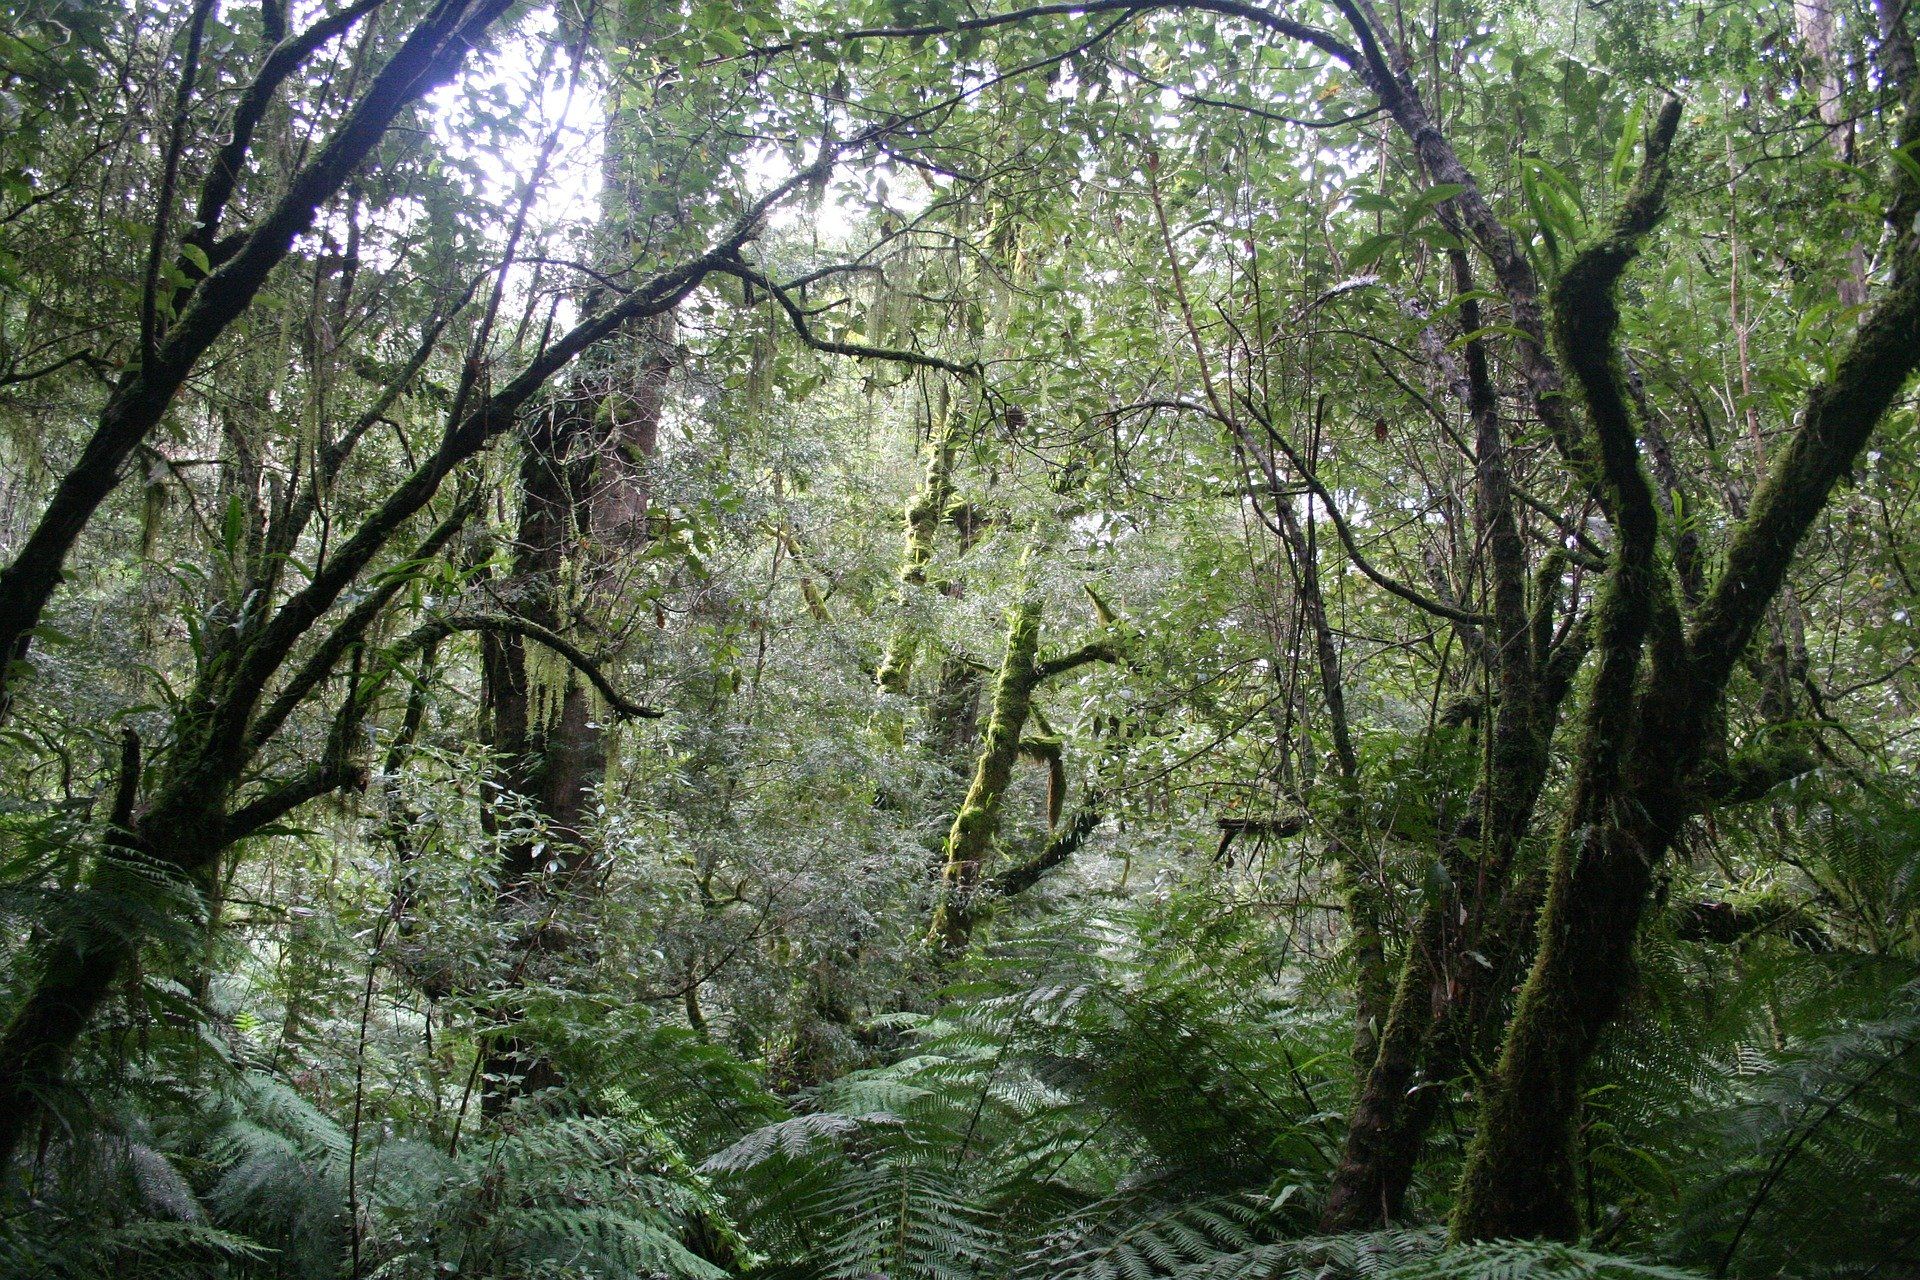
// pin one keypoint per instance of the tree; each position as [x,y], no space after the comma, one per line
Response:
[529,772]
[220,275]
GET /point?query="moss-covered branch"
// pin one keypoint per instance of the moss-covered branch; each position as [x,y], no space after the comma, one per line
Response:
[506,624]
[1060,846]
[976,828]
[1752,773]
[924,511]
[1518,1180]
[1102,650]
[978,822]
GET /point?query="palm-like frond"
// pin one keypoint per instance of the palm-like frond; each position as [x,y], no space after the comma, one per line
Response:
[1819,1172]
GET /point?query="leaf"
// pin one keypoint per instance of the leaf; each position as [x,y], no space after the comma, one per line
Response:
[1488,331]
[233,526]
[1437,194]
[1620,169]
[1371,250]
[1905,158]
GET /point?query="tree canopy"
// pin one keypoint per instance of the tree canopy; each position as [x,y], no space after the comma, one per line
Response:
[916,638]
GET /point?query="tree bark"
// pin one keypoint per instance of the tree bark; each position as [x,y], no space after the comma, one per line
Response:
[976,827]
[924,515]
[1462,937]
[1645,734]
[427,57]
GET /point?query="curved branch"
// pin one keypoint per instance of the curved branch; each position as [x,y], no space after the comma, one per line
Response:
[622,706]
[286,57]
[1320,39]
[1392,586]
[797,317]
[1586,317]
[1063,844]
[311,783]
[1838,417]
[1103,650]
[169,173]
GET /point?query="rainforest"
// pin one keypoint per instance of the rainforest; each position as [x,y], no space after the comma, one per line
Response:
[959,639]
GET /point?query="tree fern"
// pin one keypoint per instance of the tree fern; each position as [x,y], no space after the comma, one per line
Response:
[602,1194]
[1118,1106]
[80,1247]
[1818,1172]
[1531,1260]
[1130,1236]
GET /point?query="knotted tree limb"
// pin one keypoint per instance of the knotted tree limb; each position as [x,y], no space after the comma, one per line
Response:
[976,826]
[1546,1041]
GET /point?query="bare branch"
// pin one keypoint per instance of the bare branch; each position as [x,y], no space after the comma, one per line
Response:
[622,706]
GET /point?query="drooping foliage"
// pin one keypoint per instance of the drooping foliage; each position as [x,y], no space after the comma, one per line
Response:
[888,639]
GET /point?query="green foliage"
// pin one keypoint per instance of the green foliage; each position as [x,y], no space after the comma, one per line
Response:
[1124,255]
[1818,1174]
[1134,1116]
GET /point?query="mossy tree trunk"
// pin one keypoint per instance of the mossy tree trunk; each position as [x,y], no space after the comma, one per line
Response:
[976,827]
[925,511]
[953,706]
[584,504]
[1466,926]
[1657,693]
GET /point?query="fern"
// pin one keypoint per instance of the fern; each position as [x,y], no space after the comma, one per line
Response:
[589,1194]
[281,1176]
[1531,1260]
[1131,1103]
[1372,1255]
[1127,1236]
[80,1247]
[1819,1174]
[1421,1255]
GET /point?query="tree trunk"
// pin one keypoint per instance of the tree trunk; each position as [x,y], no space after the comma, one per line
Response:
[1445,995]
[975,827]
[925,511]
[584,509]
[1647,733]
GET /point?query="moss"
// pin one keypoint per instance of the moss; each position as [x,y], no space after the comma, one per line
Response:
[1046,749]
[1519,1179]
[975,826]
[923,514]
